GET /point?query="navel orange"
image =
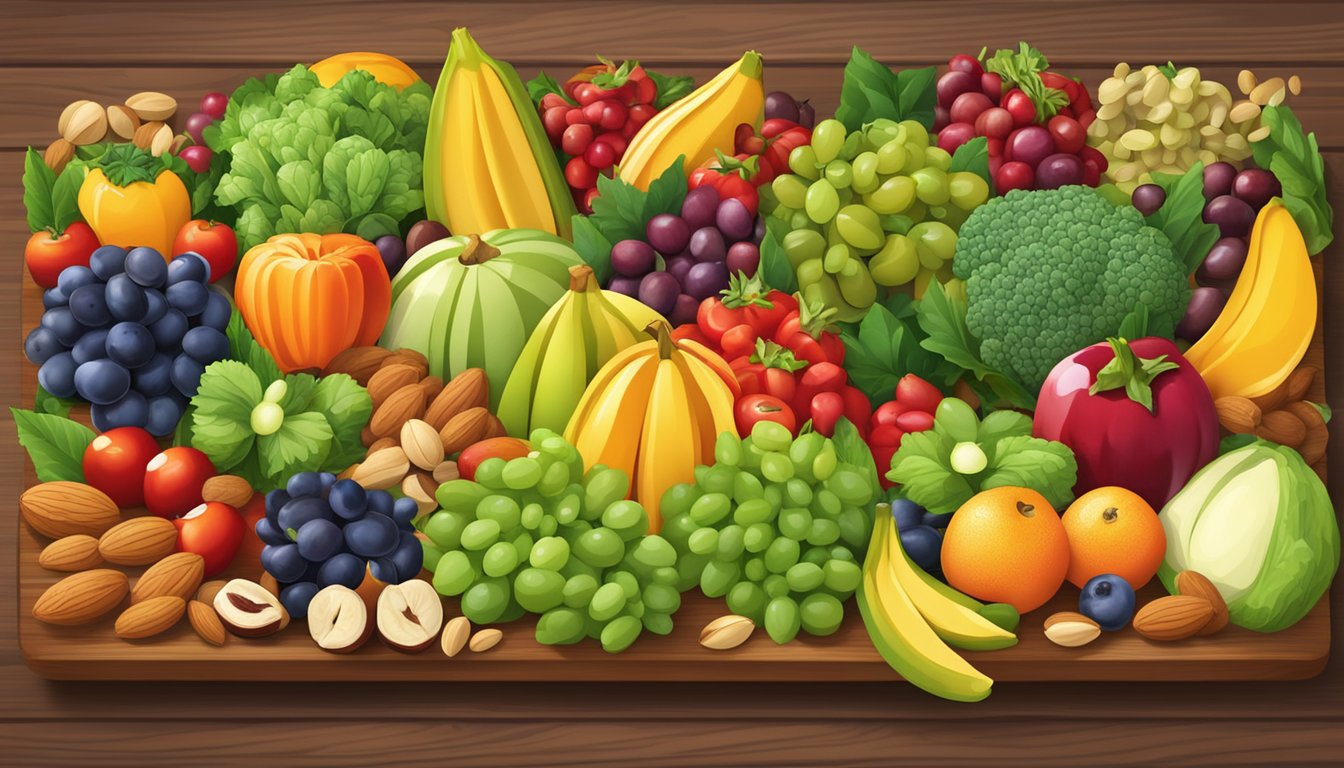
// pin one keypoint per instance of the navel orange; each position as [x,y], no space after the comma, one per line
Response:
[1006,545]
[1113,530]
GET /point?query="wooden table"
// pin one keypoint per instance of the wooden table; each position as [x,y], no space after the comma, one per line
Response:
[54,52]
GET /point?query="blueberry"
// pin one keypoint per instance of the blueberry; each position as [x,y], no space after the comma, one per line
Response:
[374,536]
[274,501]
[217,311]
[126,300]
[384,569]
[328,479]
[155,306]
[936,521]
[347,499]
[297,512]
[92,346]
[75,277]
[188,267]
[304,484]
[404,510]
[206,345]
[53,298]
[146,267]
[283,562]
[269,533]
[154,377]
[88,305]
[57,375]
[65,324]
[344,569]
[42,344]
[906,512]
[380,502]
[319,540]
[132,410]
[408,557]
[1108,600]
[925,546]
[102,381]
[165,411]
[130,344]
[296,597]
[187,297]
[169,330]
[107,260]
[186,375]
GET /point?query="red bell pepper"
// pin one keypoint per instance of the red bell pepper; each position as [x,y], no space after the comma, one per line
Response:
[807,332]
[1136,414]
[746,302]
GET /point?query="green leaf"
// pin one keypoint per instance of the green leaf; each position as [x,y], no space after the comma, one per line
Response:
[1181,217]
[917,95]
[885,346]
[852,450]
[65,197]
[943,318]
[973,156]
[54,443]
[49,403]
[222,417]
[1030,462]
[618,210]
[302,443]
[922,467]
[1293,156]
[543,84]
[666,192]
[671,88]
[185,430]
[592,246]
[1135,325]
[299,389]
[347,408]
[1000,424]
[38,181]
[870,91]
[775,268]
[245,349]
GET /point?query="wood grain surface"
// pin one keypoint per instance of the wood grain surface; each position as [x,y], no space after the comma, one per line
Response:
[52,52]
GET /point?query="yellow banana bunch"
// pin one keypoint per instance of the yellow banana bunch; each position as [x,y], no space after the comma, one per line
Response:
[698,124]
[584,330]
[654,412]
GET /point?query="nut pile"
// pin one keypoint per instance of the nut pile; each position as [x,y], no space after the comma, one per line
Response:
[1149,121]
[143,119]
[1282,416]
[1197,609]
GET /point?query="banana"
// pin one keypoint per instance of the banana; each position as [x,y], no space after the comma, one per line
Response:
[488,164]
[698,124]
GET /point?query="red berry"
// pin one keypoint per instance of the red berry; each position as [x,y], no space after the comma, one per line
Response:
[1020,106]
[992,86]
[579,173]
[743,133]
[587,93]
[1069,134]
[592,113]
[1014,174]
[553,120]
[954,136]
[617,141]
[914,421]
[599,155]
[995,122]
[965,63]
[551,100]
[886,414]
[940,117]
[613,115]
[1086,117]
[917,394]
[640,114]
[1095,156]
[588,196]
[627,131]
[994,147]
[575,116]
[628,93]
[968,107]
[576,139]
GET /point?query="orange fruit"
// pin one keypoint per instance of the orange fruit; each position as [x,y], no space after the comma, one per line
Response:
[1006,545]
[1113,530]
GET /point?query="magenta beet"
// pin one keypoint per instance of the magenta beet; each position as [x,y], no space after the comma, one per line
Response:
[1093,402]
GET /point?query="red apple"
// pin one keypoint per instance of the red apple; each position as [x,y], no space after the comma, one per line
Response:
[173,481]
[114,463]
[504,447]
[249,553]
[215,242]
[214,531]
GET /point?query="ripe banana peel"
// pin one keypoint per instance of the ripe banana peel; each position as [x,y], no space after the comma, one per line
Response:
[697,125]
[488,164]
[578,335]
[1268,321]
[654,411]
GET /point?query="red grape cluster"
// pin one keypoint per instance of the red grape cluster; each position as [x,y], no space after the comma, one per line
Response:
[592,126]
[1232,200]
[1035,122]
[711,239]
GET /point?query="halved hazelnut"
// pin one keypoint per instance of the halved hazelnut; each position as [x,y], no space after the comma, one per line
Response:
[410,615]
[248,610]
[338,620]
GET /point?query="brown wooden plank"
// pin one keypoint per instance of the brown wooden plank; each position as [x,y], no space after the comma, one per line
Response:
[788,30]
[34,98]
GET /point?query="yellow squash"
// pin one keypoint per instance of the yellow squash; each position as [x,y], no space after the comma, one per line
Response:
[1263,331]
[130,199]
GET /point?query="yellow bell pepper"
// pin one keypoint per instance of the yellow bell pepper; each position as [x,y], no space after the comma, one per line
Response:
[130,199]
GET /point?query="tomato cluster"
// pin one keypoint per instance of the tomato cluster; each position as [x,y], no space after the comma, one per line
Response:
[758,156]
[912,410]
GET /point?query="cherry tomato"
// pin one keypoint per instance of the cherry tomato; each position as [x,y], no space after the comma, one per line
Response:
[1069,134]
[504,447]
[1020,106]
[115,461]
[46,255]
[886,435]
[173,480]
[995,123]
[552,100]
[212,240]
[965,63]
[738,341]
[599,155]
[1014,174]
[641,114]
[754,408]
[826,409]
[580,174]
[916,394]
[212,530]
[857,409]
[885,415]
[822,377]
[914,421]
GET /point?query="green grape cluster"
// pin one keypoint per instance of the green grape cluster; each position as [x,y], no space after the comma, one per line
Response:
[874,207]
[777,526]
[536,534]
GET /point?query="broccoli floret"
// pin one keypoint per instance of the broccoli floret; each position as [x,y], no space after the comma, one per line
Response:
[1049,272]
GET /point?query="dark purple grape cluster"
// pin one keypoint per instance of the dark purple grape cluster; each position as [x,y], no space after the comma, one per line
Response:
[320,531]
[698,250]
[1232,199]
[131,334]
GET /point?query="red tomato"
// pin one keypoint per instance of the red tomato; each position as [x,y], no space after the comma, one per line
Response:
[917,394]
[887,435]
[504,447]
[212,530]
[215,241]
[826,410]
[114,463]
[754,408]
[1069,134]
[173,481]
[46,256]
[857,409]
[747,301]
[885,415]
[1020,106]
[914,421]
[738,341]
[822,377]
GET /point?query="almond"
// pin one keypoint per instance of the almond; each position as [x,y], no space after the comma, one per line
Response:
[494,428]
[382,470]
[469,389]
[161,141]
[1318,435]
[413,488]
[485,640]
[139,541]
[366,436]
[150,617]
[179,141]
[87,125]
[726,632]
[268,583]
[409,357]
[455,634]
[144,135]
[421,443]
[63,508]
[380,444]
[359,363]
[400,407]
[206,622]
[70,109]
[81,597]
[206,594]
[1173,618]
[432,385]
[1071,629]
[1299,383]
[1275,397]
[122,121]
[464,429]
[152,105]
[1196,585]
[177,574]
[1282,427]
[446,471]
[1238,415]
[227,489]
[72,553]
[58,155]
[389,379]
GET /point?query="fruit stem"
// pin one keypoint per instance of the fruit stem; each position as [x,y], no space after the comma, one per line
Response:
[659,330]
[581,278]
[1110,514]
[1131,373]
[468,52]
[751,65]
[1026,510]
[477,251]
